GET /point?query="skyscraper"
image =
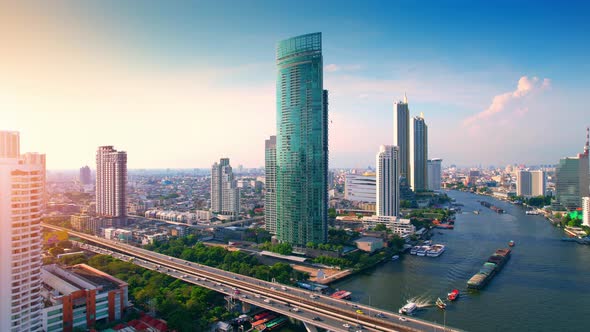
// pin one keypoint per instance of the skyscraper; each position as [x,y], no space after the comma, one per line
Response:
[573,179]
[401,134]
[387,162]
[538,183]
[111,182]
[418,154]
[225,194]
[434,173]
[85,175]
[524,185]
[270,184]
[22,189]
[302,141]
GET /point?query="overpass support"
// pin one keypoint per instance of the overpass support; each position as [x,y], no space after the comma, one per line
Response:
[309,327]
[246,307]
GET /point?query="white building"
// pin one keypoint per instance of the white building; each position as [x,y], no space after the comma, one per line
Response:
[538,183]
[270,186]
[399,226]
[586,211]
[111,180]
[387,162]
[418,154]
[434,173]
[225,196]
[22,190]
[360,188]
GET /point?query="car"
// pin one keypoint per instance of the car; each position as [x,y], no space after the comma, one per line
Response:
[267,300]
[403,319]
[295,309]
[284,288]
[257,296]
[272,288]
[346,325]
[244,296]
[355,306]
[380,315]
[313,297]
[359,311]
[316,318]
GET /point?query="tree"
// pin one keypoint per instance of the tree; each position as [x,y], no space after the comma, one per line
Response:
[332,213]
[380,228]
[56,251]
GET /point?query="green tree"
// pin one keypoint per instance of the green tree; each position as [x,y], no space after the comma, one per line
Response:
[380,228]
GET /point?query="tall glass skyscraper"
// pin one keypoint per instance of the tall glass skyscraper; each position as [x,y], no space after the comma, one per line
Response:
[302,142]
[418,154]
[401,135]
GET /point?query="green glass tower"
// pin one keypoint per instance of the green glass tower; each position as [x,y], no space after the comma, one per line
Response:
[302,142]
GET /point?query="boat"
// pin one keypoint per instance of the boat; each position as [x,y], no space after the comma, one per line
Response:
[414,250]
[422,251]
[492,266]
[476,212]
[408,309]
[511,243]
[395,257]
[452,296]
[436,250]
[440,303]
[532,212]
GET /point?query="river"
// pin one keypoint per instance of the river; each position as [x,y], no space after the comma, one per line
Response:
[545,286]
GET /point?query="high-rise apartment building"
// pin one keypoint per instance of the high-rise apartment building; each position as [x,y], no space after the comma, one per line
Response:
[270,184]
[401,135]
[111,183]
[434,173]
[302,141]
[573,179]
[586,211]
[538,183]
[225,194]
[360,188]
[85,175]
[523,183]
[387,163]
[22,190]
[418,154]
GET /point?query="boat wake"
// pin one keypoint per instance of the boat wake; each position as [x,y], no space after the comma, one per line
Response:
[421,301]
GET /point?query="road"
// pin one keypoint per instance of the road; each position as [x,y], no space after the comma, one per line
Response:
[333,314]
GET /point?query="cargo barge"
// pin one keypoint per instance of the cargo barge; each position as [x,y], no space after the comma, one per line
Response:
[492,207]
[492,266]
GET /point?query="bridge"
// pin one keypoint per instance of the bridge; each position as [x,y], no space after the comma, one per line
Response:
[315,310]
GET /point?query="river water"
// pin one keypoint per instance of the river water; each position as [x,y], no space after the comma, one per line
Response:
[545,286]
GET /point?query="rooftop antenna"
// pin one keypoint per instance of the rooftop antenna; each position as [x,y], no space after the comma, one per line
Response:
[405,98]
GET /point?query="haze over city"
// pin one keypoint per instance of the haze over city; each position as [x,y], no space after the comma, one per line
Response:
[179,86]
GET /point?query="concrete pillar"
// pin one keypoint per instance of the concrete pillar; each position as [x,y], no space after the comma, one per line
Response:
[309,327]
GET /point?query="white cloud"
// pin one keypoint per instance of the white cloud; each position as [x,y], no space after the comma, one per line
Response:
[508,102]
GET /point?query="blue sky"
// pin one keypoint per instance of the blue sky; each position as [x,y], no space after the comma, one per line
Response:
[498,83]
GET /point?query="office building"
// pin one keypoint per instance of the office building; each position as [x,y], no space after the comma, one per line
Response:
[270,193]
[418,154]
[85,175]
[360,188]
[225,194]
[111,182]
[22,190]
[79,296]
[387,162]
[523,183]
[572,180]
[302,141]
[434,173]
[401,134]
[586,211]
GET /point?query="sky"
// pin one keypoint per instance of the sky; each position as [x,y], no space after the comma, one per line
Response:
[182,84]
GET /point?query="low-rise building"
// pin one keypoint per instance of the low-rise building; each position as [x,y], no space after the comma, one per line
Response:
[79,296]
[399,226]
[369,244]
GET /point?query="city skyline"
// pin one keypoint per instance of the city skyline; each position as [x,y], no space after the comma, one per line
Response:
[474,85]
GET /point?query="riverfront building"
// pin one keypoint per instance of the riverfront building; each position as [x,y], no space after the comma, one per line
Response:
[22,190]
[530,183]
[270,185]
[434,173]
[572,180]
[401,135]
[302,142]
[360,188]
[225,195]
[418,154]
[111,182]
[387,162]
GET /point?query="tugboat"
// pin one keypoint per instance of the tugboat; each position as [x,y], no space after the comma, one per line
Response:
[452,296]
[441,304]
[511,243]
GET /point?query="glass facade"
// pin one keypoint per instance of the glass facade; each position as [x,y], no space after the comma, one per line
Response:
[302,142]
[572,181]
